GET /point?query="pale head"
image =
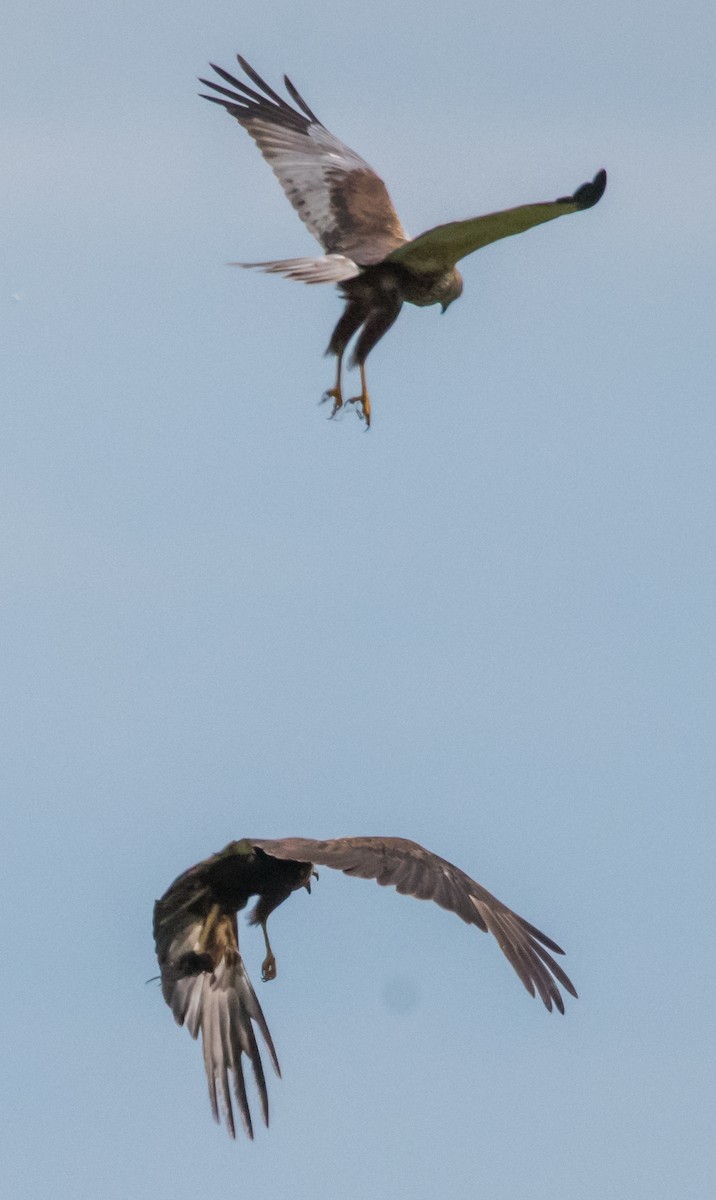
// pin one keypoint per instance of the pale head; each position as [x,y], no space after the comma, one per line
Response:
[449,288]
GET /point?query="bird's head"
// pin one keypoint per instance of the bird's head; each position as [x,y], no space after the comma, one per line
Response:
[308,872]
[450,288]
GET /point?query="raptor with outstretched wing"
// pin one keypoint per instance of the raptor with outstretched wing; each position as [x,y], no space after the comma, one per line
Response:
[204,980]
[347,208]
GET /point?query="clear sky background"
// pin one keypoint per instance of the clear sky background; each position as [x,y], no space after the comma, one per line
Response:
[486,625]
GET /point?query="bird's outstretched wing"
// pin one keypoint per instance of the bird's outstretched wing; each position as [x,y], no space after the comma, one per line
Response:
[445,245]
[415,871]
[334,191]
[205,984]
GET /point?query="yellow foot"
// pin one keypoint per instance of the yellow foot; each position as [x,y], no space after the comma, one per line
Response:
[364,413]
[268,968]
[336,396]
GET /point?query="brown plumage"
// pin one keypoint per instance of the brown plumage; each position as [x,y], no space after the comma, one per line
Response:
[204,980]
[347,208]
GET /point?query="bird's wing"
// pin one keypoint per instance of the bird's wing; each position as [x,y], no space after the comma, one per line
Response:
[415,871]
[334,191]
[205,984]
[445,245]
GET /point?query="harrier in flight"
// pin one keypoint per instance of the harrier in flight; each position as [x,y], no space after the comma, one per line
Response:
[204,980]
[347,208]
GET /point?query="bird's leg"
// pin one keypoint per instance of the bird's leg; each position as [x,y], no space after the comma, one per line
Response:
[268,966]
[363,399]
[335,394]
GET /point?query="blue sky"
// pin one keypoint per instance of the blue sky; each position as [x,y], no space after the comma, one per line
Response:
[487,625]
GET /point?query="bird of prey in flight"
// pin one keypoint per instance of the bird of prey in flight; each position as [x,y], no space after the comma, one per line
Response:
[347,208]
[204,980]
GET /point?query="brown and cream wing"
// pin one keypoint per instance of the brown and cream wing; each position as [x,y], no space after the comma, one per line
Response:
[414,871]
[334,191]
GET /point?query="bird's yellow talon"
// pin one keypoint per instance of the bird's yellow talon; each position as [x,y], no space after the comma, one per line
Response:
[336,396]
[364,410]
[363,400]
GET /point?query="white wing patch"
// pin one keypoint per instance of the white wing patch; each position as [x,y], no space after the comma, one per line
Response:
[304,163]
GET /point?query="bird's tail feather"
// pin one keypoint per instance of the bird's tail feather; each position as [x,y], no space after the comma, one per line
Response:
[219,1003]
[331,268]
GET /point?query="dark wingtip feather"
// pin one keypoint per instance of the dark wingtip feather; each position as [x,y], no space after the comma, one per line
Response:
[298,98]
[588,194]
[600,180]
[247,68]
[541,937]
[224,75]
[561,976]
[260,83]
[214,99]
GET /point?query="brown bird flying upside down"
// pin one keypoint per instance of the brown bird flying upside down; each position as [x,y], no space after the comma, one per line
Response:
[347,208]
[204,980]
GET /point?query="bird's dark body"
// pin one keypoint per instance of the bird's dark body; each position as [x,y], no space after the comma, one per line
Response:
[231,878]
[375,297]
[271,879]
